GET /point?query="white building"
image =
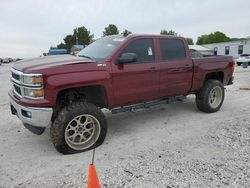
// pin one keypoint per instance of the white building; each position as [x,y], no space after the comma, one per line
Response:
[233,48]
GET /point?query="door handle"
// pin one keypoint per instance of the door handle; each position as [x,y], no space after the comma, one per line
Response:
[153,69]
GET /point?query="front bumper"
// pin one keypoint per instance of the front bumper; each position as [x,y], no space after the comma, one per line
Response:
[34,119]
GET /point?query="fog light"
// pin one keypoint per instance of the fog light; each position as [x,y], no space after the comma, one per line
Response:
[26,114]
[29,114]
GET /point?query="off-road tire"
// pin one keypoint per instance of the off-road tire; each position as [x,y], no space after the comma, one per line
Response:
[203,96]
[65,116]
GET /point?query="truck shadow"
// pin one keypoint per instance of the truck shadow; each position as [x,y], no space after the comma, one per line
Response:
[128,122]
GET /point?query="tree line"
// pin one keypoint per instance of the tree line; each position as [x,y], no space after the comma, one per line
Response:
[83,36]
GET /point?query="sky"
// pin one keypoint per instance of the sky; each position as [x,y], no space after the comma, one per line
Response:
[29,27]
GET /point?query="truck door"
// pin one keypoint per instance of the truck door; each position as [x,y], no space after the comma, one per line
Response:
[136,81]
[176,67]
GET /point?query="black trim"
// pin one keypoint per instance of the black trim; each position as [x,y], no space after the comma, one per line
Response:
[231,81]
[134,107]
[33,129]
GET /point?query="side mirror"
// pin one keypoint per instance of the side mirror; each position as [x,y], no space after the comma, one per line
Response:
[127,58]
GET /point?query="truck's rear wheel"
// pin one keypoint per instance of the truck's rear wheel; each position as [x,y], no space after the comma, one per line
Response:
[78,127]
[211,96]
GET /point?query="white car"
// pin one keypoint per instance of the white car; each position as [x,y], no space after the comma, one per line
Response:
[7,60]
[244,58]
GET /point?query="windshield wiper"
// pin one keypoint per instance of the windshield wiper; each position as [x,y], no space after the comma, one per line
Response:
[85,56]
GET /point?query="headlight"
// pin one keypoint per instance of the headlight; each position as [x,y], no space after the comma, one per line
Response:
[33,80]
[27,85]
[33,93]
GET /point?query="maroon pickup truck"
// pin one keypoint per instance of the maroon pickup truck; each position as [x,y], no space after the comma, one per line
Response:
[115,72]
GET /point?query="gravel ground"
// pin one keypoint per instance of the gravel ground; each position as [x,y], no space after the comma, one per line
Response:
[168,146]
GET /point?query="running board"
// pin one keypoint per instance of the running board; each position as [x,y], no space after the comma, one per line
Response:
[135,107]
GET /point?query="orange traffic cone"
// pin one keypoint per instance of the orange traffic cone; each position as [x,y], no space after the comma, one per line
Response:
[93,181]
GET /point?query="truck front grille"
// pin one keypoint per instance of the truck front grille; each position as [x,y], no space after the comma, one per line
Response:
[17,90]
[15,76]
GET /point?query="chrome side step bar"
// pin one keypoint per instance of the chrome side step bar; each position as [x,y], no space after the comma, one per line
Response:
[135,107]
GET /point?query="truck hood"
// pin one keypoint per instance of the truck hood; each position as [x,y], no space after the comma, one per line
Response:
[35,65]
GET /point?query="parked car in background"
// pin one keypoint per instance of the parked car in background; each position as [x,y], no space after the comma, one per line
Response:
[57,52]
[7,60]
[200,51]
[17,59]
[76,48]
[195,54]
[1,60]
[243,59]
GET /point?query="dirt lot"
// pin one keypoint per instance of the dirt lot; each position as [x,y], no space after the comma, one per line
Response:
[168,146]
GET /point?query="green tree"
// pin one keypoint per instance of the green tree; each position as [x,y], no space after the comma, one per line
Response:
[126,32]
[190,41]
[215,37]
[110,30]
[69,41]
[202,39]
[170,32]
[82,35]
[61,46]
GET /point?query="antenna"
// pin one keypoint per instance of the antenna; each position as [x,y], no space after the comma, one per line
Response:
[93,156]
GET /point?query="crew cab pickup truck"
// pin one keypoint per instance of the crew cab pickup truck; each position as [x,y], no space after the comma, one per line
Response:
[67,93]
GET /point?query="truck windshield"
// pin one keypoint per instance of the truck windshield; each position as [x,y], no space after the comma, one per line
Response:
[102,48]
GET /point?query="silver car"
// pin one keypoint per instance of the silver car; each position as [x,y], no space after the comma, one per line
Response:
[244,58]
[7,60]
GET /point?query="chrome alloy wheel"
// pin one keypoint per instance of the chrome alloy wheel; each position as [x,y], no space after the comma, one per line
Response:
[82,132]
[215,97]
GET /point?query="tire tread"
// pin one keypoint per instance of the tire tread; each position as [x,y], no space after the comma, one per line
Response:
[203,95]
[65,115]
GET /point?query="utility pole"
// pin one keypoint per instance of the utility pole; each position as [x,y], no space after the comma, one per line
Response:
[76,36]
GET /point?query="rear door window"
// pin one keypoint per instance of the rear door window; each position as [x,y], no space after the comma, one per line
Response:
[172,50]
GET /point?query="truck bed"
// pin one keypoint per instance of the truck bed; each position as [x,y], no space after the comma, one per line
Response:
[205,65]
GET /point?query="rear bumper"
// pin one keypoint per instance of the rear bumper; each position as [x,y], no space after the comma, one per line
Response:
[35,119]
[243,61]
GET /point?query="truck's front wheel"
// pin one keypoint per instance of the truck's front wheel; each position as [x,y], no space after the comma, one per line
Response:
[211,96]
[78,127]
